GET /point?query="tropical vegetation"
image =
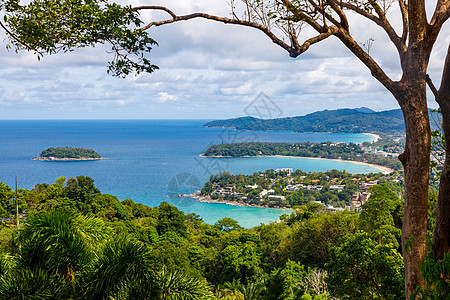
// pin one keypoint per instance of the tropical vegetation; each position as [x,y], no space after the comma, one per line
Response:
[74,242]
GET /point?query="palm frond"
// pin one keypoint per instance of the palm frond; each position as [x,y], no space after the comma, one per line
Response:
[122,266]
[32,284]
[174,285]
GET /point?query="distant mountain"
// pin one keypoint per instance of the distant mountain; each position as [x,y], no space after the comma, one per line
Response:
[365,110]
[337,121]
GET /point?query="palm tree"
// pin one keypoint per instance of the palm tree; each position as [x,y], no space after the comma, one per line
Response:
[60,242]
[174,285]
[24,283]
[65,255]
[251,291]
[122,268]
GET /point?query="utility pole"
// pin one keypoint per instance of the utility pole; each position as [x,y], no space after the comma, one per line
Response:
[17,206]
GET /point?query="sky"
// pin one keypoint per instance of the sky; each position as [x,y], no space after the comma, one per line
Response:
[208,70]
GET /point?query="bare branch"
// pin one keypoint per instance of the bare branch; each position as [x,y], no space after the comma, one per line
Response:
[404,11]
[305,46]
[381,21]
[360,11]
[341,14]
[326,16]
[150,7]
[225,20]
[365,58]
[441,13]
[432,86]
[298,15]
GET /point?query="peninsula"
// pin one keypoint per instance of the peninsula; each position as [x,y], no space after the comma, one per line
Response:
[382,156]
[68,154]
[285,188]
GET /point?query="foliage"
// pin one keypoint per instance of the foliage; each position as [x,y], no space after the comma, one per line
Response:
[382,215]
[237,291]
[122,264]
[227,224]
[69,152]
[32,284]
[52,26]
[170,219]
[284,282]
[78,243]
[60,242]
[437,147]
[179,286]
[309,240]
[362,269]
[6,203]
[436,273]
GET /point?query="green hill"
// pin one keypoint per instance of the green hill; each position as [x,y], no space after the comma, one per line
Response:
[337,121]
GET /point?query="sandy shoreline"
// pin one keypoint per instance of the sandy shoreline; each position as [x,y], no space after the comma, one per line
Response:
[376,136]
[383,168]
[208,199]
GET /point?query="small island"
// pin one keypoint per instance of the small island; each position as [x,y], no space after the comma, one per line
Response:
[68,154]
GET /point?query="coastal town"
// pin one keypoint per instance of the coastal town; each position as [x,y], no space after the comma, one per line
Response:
[284,188]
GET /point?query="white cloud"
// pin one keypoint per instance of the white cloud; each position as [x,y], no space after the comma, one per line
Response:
[243,89]
[207,70]
[164,97]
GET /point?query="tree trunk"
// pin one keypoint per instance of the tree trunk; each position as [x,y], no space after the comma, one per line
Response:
[411,95]
[441,232]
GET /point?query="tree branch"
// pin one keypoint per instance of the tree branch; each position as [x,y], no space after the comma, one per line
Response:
[299,15]
[381,21]
[260,27]
[404,11]
[295,49]
[305,46]
[326,16]
[340,13]
[366,59]
[153,7]
[432,87]
[360,11]
[19,40]
[441,12]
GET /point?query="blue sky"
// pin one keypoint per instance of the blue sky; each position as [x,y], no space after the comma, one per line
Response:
[207,70]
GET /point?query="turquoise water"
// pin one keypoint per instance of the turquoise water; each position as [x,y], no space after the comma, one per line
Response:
[151,161]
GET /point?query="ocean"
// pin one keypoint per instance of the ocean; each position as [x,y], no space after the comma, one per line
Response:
[151,161]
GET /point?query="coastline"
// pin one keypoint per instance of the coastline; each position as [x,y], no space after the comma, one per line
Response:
[208,199]
[382,168]
[376,136]
[67,158]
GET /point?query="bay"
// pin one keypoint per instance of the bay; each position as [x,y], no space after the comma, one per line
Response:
[151,161]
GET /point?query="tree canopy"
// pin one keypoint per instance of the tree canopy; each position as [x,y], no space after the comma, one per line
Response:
[49,27]
[283,22]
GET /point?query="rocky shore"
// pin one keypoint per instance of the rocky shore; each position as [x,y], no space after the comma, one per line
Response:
[208,199]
